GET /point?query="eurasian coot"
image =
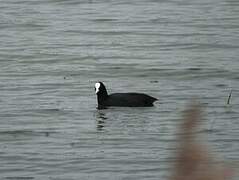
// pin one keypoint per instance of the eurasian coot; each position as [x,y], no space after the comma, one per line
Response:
[121,99]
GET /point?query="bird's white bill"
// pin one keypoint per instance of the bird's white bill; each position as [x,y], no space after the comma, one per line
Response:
[97,87]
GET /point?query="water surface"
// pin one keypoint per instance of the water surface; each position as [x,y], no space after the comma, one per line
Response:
[51,54]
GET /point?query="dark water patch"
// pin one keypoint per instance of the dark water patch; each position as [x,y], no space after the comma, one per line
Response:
[42,112]
[194,69]
[154,81]
[221,85]
[23,133]
[50,110]
[180,46]
[74,2]
[224,140]
[105,32]
[198,46]
[19,178]
[104,20]
[214,26]
[235,77]
[17,132]
[39,108]
[209,131]
[44,91]
[30,61]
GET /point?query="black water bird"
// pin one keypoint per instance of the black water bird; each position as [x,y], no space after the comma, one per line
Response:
[121,99]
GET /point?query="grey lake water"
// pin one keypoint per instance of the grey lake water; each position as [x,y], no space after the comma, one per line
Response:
[53,51]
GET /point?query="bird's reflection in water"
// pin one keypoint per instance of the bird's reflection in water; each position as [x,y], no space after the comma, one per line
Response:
[100,118]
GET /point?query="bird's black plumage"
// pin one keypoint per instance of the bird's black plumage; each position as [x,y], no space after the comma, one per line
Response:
[121,99]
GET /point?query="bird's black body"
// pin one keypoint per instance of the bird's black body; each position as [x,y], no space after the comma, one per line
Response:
[122,99]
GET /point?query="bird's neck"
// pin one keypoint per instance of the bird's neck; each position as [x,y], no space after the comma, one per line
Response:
[101,98]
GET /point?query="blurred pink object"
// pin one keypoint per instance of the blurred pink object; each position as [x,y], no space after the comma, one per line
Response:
[193,161]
